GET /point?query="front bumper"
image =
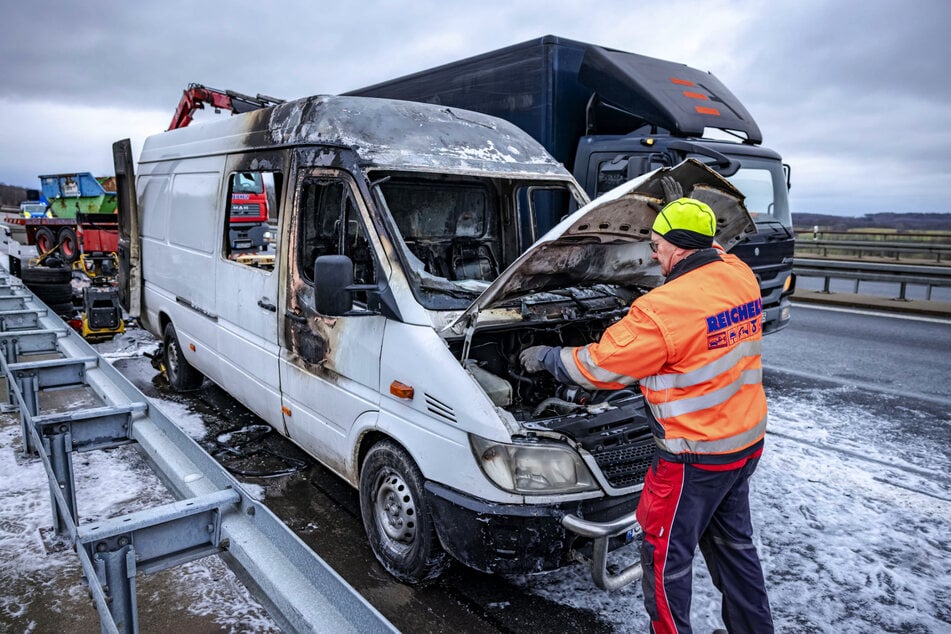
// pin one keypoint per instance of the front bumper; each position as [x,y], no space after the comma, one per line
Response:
[516,538]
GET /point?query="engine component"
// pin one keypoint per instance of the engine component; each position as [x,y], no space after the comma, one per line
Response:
[498,389]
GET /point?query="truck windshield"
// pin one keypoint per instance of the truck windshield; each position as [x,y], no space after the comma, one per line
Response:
[764,185]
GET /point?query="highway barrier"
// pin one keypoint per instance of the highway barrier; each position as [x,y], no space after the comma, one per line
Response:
[860,271]
[212,514]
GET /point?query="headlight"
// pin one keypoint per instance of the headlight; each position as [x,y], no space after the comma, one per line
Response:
[532,468]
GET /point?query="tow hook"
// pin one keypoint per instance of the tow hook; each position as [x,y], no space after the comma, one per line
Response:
[601,533]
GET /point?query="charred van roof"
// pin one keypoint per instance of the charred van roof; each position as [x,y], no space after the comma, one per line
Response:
[384,133]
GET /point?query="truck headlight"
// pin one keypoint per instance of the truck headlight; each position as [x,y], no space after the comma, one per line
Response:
[532,468]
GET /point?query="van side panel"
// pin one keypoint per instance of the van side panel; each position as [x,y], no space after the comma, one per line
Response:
[180,210]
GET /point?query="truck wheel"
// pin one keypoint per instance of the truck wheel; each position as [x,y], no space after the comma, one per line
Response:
[68,245]
[396,517]
[44,240]
[181,375]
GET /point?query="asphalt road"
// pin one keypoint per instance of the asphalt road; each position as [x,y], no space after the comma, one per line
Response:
[904,354]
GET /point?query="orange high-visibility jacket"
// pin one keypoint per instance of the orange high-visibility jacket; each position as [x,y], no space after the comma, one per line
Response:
[694,345]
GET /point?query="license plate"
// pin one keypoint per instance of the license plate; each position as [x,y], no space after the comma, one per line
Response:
[242,244]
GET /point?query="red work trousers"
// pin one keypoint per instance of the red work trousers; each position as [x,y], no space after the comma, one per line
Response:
[686,505]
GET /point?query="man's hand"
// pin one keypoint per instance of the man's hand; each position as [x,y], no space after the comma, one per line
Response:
[531,358]
[672,189]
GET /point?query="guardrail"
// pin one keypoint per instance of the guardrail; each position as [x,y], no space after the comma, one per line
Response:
[39,357]
[890,249]
[901,274]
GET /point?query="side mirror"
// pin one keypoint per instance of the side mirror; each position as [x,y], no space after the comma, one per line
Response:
[333,281]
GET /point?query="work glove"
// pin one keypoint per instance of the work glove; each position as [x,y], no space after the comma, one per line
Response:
[531,358]
[672,191]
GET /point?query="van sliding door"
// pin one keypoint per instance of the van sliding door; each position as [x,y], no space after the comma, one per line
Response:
[246,279]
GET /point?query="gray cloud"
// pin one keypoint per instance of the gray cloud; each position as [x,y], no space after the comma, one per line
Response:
[855,95]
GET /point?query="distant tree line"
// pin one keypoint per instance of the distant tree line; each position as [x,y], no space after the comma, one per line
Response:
[896,221]
[11,195]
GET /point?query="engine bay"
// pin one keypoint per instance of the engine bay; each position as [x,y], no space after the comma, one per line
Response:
[611,425]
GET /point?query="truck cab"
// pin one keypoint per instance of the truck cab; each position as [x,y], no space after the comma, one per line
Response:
[646,113]
[604,161]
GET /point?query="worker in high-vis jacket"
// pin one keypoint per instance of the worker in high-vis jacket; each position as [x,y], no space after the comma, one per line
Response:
[693,345]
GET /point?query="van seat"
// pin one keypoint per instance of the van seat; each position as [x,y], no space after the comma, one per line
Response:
[472,260]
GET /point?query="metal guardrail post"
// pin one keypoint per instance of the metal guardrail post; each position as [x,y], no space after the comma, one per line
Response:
[28,400]
[115,570]
[59,448]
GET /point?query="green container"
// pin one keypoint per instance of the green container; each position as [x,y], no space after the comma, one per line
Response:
[71,194]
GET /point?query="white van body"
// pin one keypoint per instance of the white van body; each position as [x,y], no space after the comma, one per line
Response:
[359,334]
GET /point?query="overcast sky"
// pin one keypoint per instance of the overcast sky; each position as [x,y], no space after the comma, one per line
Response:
[854,94]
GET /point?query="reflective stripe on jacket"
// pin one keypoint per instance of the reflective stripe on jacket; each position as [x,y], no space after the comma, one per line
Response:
[694,344]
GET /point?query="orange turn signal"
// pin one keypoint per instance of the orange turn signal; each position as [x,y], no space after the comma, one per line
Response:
[191,347]
[401,390]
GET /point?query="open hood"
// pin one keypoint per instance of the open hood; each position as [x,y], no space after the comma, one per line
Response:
[674,96]
[608,240]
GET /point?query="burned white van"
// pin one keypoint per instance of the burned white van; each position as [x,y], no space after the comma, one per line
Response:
[377,318]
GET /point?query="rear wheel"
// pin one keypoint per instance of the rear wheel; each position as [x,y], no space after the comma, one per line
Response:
[44,239]
[181,375]
[396,516]
[68,245]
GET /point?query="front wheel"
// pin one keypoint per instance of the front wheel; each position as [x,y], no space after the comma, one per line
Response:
[396,517]
[181,375]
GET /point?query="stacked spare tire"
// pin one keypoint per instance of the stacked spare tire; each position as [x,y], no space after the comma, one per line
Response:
[51,285]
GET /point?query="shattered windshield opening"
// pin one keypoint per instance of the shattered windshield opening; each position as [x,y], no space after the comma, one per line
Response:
[457,233]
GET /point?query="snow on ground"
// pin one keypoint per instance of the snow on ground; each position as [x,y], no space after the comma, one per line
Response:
[40,578]
[855,541]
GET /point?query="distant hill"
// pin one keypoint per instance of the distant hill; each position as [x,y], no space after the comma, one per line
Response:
[900,222]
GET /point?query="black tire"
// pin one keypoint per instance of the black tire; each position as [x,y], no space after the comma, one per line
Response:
[68,245]
[45,275]
[51,294]
[44,239]
[63,310]
[181,375]
[396,517]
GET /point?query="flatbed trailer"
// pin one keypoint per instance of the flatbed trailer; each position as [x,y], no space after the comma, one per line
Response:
[81,218]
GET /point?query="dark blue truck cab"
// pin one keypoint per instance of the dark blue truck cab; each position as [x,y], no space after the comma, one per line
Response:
[610,116]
